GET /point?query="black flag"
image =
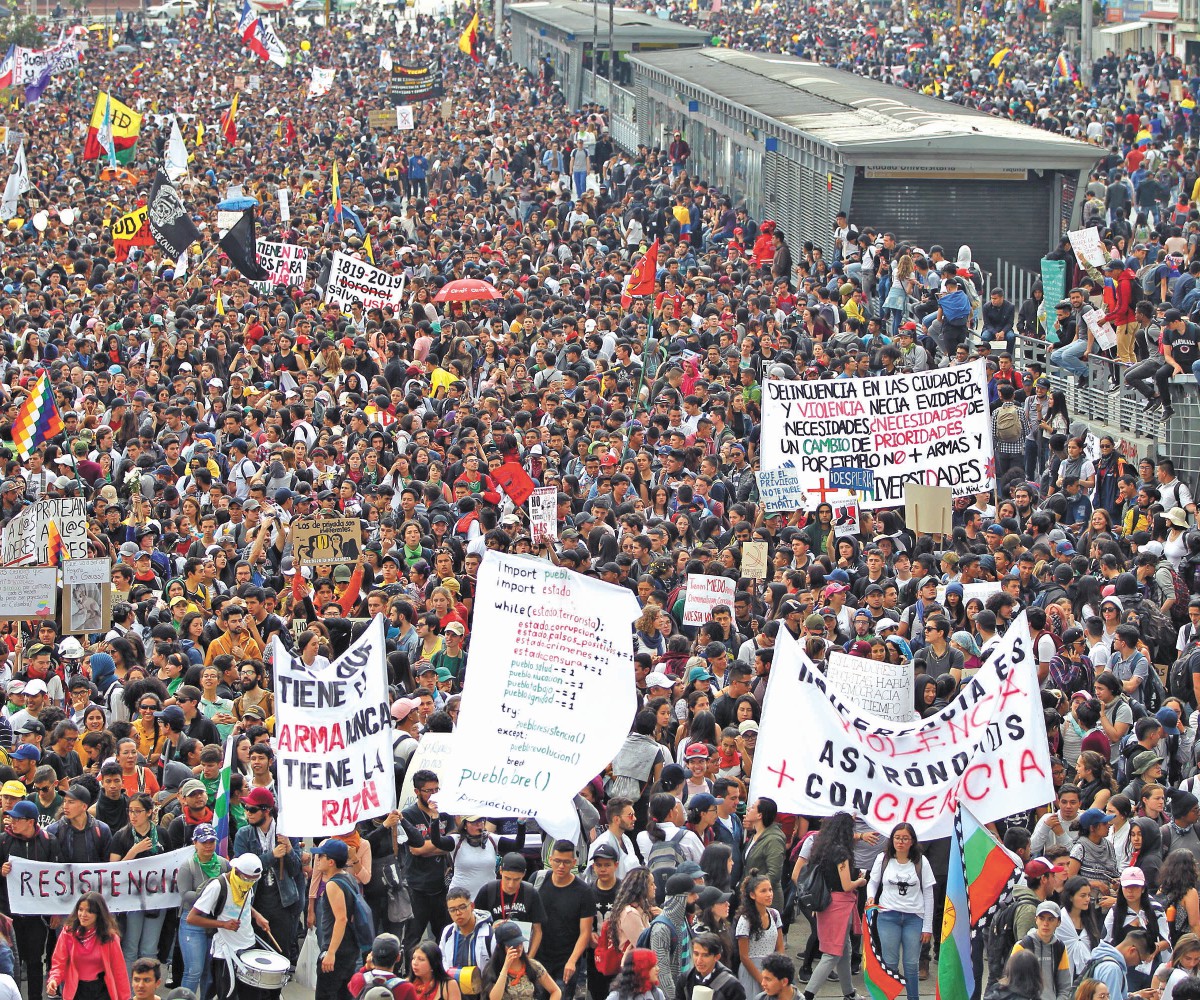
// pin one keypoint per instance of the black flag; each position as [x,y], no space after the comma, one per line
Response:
[170,224]
[239,246]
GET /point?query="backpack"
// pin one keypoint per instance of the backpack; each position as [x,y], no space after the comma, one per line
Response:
[1156,628]
[1000,935]
[812,891]
[1179,676]
[643,939]
[662,860]
[1179,613]
[388,983]
[1008,423]
[1089,972]
[1154,694]
[359,914]
[607,956]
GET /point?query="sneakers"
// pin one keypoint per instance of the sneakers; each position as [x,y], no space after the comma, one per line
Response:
[804,973]
[1167,413]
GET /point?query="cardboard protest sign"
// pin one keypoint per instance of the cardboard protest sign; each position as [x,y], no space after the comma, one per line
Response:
[28,593]
[326,541]
[286,263]
[26,537]
[333,731]
[754,560]
[987,749]
[704,593]
[543,514]
[780,490]
[49,888]
[353,281]
[553,706]
[932,428]
[1088,250]
[845,515]
[880,688]
[432,754]
[929,510]
[87,571]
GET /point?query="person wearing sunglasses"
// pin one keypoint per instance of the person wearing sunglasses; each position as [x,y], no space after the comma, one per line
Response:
[282,887]
[225,907]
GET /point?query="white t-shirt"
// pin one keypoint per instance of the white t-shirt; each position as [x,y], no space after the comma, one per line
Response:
[899,887]
[474,866]
[227,943]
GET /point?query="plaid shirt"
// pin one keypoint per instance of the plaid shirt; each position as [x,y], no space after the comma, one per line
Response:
[1016,447]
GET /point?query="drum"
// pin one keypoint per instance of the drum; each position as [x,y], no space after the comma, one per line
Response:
[262,968]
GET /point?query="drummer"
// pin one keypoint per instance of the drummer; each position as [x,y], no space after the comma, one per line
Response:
[225,906]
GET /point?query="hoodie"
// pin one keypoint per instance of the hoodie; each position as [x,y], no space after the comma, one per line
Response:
[1119,300]
[1052,958]
[955,306]
[460,950]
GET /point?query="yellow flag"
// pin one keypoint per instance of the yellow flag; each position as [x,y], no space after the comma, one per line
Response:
[220,305]
[467,40]
[199,133]
[367,248]
[111,38]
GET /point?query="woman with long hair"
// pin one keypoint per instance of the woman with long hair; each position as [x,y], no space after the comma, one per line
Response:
[429,977]
[833,853]
[712,917]
[1093,775]
[1120,815]
[1177,892]
[510,973]
[141,837]
[1136,909]
[1184,964]
[87,963]
[1079,924]
[901,885]
[638,978]
[1022,979]
[758,931]
[717,862]
[633,908]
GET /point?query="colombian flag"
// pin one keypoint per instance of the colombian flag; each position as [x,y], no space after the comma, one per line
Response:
[56,551]
[37,420]
[999,57]
[124,122]
[468,41]
[1142,139]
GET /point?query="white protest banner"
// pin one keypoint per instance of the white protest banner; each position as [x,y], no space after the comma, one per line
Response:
[286,262]
[321,82]
[543,514]
[432,754]
[353,280]
[29,592]
[987,748]
[87,571]
[551,709]
[1086,244]
[26,538]
[928,427]
[883,689]
[1102,333]
[285,208]
[704,593]
[780,490]
[333,736]
[49,888]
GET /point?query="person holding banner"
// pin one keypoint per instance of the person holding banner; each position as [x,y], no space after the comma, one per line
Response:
[88,963]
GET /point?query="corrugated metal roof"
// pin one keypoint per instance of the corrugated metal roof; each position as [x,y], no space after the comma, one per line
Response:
[629,26]
[863,119]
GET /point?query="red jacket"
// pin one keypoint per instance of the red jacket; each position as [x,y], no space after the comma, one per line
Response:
[1120,300]
[63,969]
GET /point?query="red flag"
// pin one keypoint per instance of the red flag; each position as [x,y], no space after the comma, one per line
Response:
[229,121]
[641,280]
[289,132]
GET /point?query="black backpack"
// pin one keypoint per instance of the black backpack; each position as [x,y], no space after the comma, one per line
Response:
[1089,972]
[999,937]
[1179,676]
[812,891]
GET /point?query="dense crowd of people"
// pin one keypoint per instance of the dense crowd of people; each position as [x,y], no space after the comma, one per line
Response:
[203,415]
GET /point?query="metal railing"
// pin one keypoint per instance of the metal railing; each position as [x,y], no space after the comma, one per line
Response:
[1016,282]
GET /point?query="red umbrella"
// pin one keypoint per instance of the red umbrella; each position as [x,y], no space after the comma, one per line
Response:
[466,290]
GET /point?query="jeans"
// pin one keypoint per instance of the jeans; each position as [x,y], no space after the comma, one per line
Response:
[579,179]
[826,966]
[194,945]
[902,930]
[139,935]
[1071,357]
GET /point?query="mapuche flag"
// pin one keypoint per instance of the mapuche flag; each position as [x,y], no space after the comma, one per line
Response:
[124,122]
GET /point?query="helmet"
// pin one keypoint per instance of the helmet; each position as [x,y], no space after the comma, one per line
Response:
[71,649]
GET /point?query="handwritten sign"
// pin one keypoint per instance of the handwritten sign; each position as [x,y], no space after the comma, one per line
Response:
[26,537]
[846,477]
[882,689]
[754,560]
[87,571]
[552,707]
[704,593]
[780,490]
[52,889]
[28,593]
[543,514]
[928,427]
[1102,333]
[987,749]
[1087,247]
[432,754]
[286,263]
[352,281]
[326,541]
[333,730]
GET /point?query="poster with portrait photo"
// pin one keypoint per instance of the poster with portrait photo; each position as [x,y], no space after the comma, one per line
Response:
[845,514]
[87,608]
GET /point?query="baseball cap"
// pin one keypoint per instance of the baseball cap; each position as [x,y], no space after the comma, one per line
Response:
[1048,909]
[1039,866]
[334,849]
[513,861]
[747,726]
[27,751]
[251,865]
[23,810]
[657,679]
[1092,817]
[259,798]
[1133,876]
[605,852]
[696,751]
[204,833]
[403,707]
[14,788]
[191,787]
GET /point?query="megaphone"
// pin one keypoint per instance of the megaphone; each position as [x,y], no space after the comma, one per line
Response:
[468,979]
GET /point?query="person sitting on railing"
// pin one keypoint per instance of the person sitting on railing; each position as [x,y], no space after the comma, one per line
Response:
[1072,356]
[1143,373]
[999,317]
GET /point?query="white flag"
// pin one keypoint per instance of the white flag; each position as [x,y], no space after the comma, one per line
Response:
[385,60]
[16,185]
[285,210]
[321,82]
[181,265]
[177,156]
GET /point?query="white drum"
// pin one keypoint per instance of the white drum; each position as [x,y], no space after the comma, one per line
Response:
[262,968]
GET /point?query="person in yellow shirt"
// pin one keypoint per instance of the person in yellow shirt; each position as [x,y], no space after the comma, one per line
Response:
[240,638]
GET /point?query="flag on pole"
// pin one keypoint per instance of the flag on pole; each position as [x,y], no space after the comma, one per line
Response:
[221,807]
[37,419]
[955,971]
[368,249]
[177,155]
[8,68]
[124,122]
[229,121]
[220,304]
[641,279]
[16,185]
[999,57]
[882,982]
[468,41]
[107,143]
[991,869]
[56,551]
